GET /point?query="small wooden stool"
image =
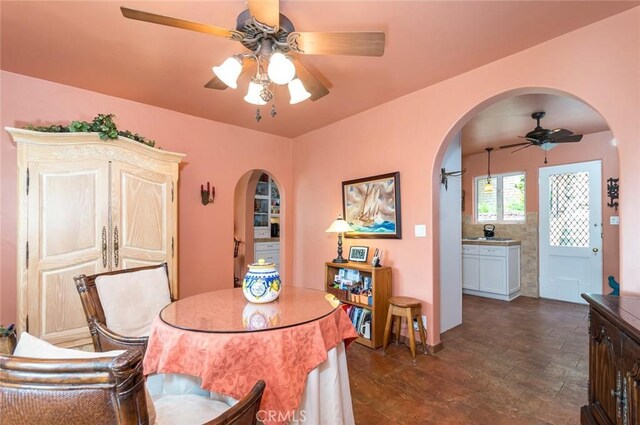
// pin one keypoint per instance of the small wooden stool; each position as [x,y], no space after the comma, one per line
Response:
[409,308]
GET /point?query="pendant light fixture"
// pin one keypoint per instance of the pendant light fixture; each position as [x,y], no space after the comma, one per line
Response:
[488,187]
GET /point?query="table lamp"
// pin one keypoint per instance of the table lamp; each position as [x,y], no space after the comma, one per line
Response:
[339,226]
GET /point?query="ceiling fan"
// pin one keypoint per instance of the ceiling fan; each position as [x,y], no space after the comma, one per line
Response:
[269,37]
[543,137]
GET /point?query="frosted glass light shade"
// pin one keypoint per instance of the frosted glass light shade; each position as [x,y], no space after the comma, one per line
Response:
[488,187]
[253,94]
[281,70]
[229,71]
[297,92]
[339,226]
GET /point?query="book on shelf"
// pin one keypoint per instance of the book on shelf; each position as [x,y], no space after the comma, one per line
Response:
[360,316]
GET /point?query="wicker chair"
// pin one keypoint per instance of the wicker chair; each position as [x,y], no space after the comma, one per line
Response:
[80,391]
[104,338]
[93,391]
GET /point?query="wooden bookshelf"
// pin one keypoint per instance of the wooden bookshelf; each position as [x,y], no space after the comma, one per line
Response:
[380,290]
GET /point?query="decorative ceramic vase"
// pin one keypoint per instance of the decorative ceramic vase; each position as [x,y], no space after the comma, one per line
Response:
[260,316]
[262,283]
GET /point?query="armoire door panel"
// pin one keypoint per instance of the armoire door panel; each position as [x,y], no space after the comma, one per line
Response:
[60,310]
[67,226]
[62,196]
[140,209]
[68,208]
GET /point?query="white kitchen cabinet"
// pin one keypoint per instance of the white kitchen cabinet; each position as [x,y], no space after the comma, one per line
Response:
[470,267]
[491,271]
[87,206]
[268,251]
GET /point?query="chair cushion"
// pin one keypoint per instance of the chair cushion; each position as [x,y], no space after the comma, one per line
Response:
[186,409]
[131,301]
[30,346]
[36,348]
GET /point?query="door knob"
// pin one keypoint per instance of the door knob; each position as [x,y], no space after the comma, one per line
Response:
[595,250]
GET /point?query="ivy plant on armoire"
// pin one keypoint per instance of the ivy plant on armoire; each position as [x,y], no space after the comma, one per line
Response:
[87,206]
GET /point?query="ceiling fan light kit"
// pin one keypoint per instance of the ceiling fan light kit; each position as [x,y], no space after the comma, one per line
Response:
[254,94]
[229,71]
[281,70]
[297,92]
[272,42]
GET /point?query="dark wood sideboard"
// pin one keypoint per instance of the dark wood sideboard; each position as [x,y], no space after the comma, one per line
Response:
[614,360]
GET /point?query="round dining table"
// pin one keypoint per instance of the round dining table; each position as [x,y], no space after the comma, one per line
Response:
[295,344]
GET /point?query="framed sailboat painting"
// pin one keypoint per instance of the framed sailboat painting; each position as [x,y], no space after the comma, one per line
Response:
[372,206]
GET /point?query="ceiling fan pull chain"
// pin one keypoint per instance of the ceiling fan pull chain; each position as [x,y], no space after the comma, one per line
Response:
[258,116]
[273,110]
[545,157]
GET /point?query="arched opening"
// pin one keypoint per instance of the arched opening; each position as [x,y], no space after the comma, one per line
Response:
[598,144]
[257,221]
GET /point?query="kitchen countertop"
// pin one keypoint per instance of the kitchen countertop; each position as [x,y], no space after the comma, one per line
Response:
[509,242]
[266,239]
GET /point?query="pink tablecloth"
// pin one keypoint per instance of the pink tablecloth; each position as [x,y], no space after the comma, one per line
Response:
[231,363]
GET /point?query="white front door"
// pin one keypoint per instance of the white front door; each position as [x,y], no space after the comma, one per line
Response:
[570,231]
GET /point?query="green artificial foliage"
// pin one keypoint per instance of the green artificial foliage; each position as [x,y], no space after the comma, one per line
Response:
[102,124]
[6,331]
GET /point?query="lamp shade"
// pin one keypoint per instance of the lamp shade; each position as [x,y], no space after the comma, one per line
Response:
[281,70]
[253,94]
[229,71]
[339,226]
[297,92]
[488,187]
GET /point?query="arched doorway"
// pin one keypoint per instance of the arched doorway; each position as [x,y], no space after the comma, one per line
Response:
[257,221]
[592,147]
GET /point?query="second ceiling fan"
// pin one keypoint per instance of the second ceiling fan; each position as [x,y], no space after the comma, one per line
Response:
[543,137]
[273,46]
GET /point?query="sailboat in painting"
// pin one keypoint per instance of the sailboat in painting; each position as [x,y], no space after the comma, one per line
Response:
[370,206]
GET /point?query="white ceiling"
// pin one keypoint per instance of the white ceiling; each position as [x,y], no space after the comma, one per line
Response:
[89,44]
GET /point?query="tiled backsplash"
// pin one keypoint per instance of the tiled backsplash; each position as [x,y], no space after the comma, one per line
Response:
[527,234]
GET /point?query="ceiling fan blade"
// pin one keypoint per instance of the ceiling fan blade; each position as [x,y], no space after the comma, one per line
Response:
[524,147]
[309,81]
[567,139]
[559,132]
[139,15]
[515,144]
[216,84]
[531,139]
[338,43]
[266,11]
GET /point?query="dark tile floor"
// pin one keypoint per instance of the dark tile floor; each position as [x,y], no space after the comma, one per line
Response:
[518,362]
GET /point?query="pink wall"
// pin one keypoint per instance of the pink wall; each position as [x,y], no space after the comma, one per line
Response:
[216,152]
[410,135]
[596,146]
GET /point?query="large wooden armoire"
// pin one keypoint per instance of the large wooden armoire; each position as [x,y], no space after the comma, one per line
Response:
[88,206]
[614,361]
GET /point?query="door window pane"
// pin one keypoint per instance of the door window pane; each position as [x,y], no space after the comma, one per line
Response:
[569,209]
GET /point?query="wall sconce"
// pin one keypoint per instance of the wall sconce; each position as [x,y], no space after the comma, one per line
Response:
[207,195]
[613,188]
[444,175]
